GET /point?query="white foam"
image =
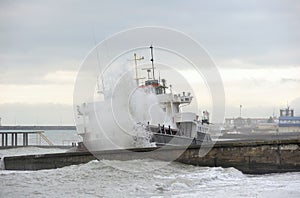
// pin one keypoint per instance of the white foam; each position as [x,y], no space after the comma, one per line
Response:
[101,178]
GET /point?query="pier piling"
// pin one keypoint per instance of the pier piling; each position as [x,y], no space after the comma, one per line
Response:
[14,138]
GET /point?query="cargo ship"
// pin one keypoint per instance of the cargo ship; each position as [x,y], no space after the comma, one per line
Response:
[180,129]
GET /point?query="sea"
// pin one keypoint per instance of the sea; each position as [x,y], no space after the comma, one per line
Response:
[137,178]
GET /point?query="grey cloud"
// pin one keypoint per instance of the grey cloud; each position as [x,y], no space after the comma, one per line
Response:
[263,33]
[232,29]
[287,80]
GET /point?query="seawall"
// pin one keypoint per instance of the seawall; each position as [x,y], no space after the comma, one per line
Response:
[256,157]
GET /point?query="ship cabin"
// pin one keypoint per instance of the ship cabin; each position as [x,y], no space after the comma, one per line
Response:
[157,87]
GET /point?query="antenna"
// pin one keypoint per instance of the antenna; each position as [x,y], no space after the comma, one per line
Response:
[158,76]
[152,61]
[98,61]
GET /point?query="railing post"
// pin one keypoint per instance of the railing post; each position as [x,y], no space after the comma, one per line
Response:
[24,140]
[2,140]
[12,139]
[16,139]
[6,140]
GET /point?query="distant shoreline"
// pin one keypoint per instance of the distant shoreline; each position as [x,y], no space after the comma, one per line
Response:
[37,128]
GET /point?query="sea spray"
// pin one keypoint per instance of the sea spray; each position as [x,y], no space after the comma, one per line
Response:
[142,137]
[146,108]
[118,118]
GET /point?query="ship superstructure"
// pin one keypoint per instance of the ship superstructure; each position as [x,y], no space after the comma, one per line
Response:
[183,127]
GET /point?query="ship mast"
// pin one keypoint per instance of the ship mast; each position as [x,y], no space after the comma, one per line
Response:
[152,62]
[152,66]
[136,68]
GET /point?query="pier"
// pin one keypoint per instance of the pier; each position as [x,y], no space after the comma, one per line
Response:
[253,157]
[14,136]
[40,128]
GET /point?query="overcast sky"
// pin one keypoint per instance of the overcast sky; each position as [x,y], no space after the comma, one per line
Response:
[255,45]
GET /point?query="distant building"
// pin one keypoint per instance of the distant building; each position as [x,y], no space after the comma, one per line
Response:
[288,122]
[245,122]
[248,125]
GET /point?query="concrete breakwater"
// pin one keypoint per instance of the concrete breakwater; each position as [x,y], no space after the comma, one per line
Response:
[255,157]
